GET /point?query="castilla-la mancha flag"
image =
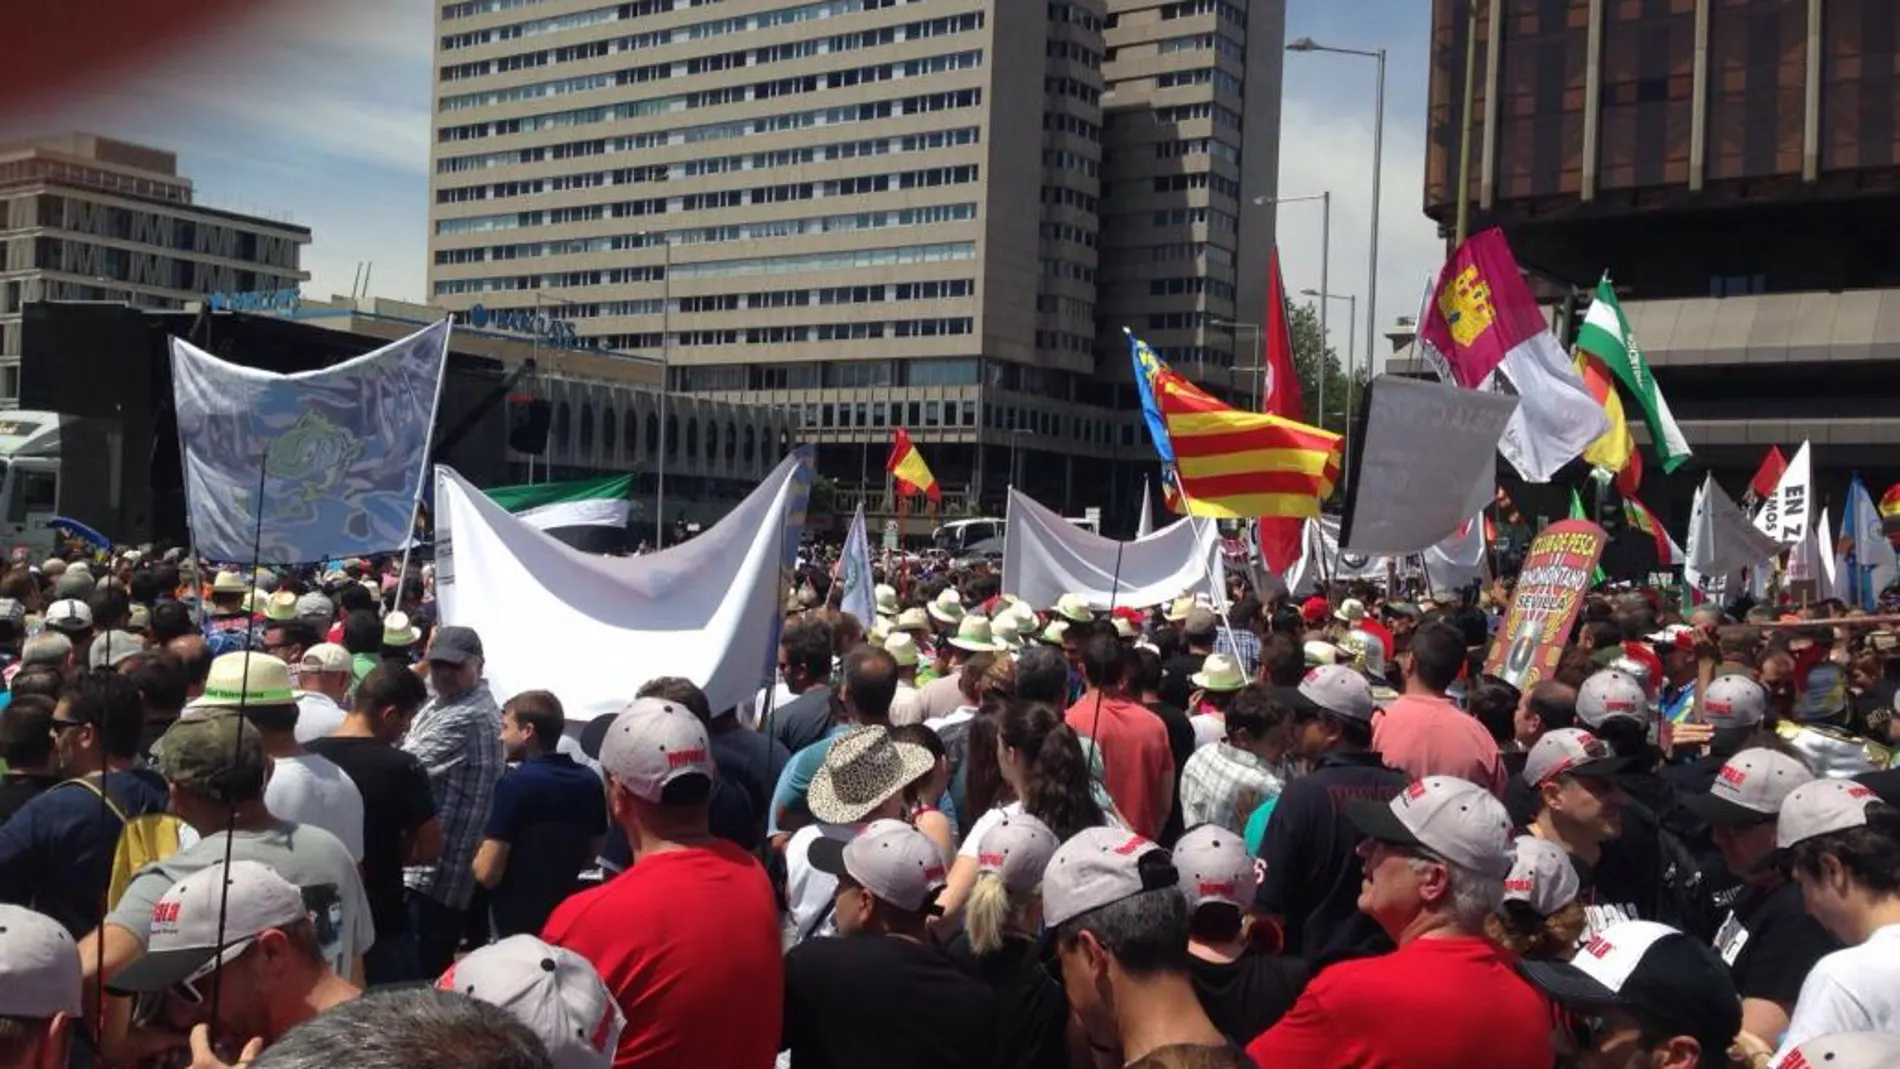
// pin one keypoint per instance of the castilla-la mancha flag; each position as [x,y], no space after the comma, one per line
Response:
[907,468]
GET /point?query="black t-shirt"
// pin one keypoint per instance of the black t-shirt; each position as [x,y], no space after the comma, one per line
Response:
[396,801]
[1181,745]
[1871,709]
[1770,943]
[801,721]
[751,762]
[1885,784]
[1616,888]
[1032,1012]
[876,1001]
[1313,875]
[1246,996]
[18,788]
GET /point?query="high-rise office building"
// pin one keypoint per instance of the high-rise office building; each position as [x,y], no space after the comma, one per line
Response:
[87,218]
[877,212]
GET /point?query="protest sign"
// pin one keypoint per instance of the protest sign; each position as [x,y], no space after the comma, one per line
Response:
[1426,463]
[1550,590]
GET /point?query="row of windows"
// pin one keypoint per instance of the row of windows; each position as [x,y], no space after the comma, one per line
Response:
[562,183]
[1214,76]
[1075,52]
[1176,287]
[721,61]
[1064,160]
[790,335]
[1073,307]
[1179,113]
[1180,320]
[1067,11]
[1064,123]
[1062,341]
[1087,94]
[1177,183]
[873,294]
[1069,232]
[1197,146]
[812,83]
[1071,197]
[837,150]
[1200,42]
[755,440]
[869,111]
[1187,9]
[1172,252]
[1219,221]
[830,261]
[1056,267]
[626,12]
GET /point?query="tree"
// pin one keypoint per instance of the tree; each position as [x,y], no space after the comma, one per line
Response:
[1309,354]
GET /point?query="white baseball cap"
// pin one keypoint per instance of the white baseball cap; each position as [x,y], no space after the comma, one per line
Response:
[39,966]
[889,858]
[1652,970]
[326,657]
[653,742]
[1018,851]
[1611,693]
[68,615]
[184,941]
[551,990]
[1734,701]
[1215,867]
[1570,752]
[1541,876]
[1340,691]
[1450,817]
[1822,807]
[1750,788]
[1846,1050]
[1099,867]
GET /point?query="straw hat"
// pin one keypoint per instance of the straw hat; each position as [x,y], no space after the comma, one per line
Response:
[1052,635]
[397,630]
[911,620]
[1219,673]
[974,635]
[281,607]
[246,679]
[1126,630]
[863,769]
[1074,608]
[879,634]
[1178,610]
[885,597]
[947,608]
[902,648]
[1006,631]
[230,583]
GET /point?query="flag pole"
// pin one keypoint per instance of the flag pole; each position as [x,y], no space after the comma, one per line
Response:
[422,478]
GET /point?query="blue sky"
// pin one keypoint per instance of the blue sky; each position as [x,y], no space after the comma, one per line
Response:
[319,112]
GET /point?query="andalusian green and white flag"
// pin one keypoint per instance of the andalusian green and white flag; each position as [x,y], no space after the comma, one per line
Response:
[589,514]
[1605,334]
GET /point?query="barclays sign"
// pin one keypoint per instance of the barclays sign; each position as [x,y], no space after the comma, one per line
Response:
[556,332]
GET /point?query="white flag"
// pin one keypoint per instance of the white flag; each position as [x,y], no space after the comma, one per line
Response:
[338,453]
[1721,541]
[1824,554]
[1784,514]
[1556,418]
[854,572]
[1046,556]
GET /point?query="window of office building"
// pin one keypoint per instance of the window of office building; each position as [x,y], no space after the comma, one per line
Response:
[1541,91]
[1648,71]
[1757,67]
[1859,88]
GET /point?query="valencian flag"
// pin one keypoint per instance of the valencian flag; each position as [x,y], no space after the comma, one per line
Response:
[906,466]
[1890,511]
[1231,463]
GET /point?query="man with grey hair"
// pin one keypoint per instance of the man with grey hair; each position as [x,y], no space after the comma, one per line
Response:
[409,1028]
[1434,860]
[50,649]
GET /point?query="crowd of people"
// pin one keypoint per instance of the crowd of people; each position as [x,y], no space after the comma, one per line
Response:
[251,817]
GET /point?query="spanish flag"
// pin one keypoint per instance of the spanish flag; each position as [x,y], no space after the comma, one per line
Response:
[1639,517]
[1235,464]
[1611,451]
[906,466]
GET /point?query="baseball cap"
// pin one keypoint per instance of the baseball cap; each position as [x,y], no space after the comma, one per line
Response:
[184,943]
[75,582]
[1651,970]
[1215,867]
[653,742]
[1611,693]
[456,645]
[1570,752]
[1018,850]
[889,858]
[326,657]
[112,647]
[1200,621]
[1541,876]
[69,615]
[553,991]
[864,768]
[1315,609]
[39,966]
[1101,866]
[1450,817]
[1749,788]
[243,679]
[1846,1050]
[315,608]
[1734,701]
[12,612]
[1338,690]
[213,753]
[1822,807]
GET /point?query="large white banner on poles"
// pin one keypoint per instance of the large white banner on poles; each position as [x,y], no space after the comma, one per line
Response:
[1046,556]
[593,629]
[339,453]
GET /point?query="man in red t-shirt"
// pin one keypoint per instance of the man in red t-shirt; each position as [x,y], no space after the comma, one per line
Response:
[1137,762]
[693,923]
[1435,858]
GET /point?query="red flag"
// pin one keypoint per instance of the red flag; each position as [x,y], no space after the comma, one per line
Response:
[1631,477]
[1772,467]
[1282,395]
[1280,538]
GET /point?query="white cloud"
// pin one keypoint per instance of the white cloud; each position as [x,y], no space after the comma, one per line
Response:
[1327,145]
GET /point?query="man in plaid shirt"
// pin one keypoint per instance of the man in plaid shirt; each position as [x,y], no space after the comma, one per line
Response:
[457,737]
[1223,783]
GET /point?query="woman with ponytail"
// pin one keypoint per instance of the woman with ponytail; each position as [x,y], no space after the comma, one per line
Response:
[998,945]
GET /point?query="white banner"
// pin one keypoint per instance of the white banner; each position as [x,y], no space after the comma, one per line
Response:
[1046,556]
[1784,514]
[339,452]
[1721,541]
[1428,461]
[854,573]
[593,629]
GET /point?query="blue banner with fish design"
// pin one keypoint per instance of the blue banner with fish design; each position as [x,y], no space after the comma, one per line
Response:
[338,453]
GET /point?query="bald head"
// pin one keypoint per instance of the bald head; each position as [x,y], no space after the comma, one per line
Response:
[195,656]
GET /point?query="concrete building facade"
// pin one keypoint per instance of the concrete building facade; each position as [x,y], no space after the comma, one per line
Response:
[877,213]
[89,218]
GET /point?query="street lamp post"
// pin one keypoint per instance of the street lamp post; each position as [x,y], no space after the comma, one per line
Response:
[541,300]
[1325,258]
[1015,444]
[666,383]
[1307,44]
[1352,336]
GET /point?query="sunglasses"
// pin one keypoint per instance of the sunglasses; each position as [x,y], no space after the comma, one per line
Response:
[60,726]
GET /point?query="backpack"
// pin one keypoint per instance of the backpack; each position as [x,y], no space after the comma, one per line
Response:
[142,840]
